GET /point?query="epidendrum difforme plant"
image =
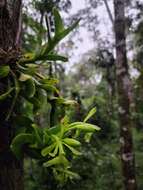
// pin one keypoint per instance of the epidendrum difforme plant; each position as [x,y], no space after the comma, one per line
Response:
[52,146]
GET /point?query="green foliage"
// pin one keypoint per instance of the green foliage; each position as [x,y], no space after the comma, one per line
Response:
[53,146]
[4,70]
[90,114]
[6,94]
[47,51]
[59,26]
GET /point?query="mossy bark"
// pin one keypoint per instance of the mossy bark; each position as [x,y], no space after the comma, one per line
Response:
[11,169]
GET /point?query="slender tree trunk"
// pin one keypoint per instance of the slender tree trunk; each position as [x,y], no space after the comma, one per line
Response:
[11,170]
[124,98]
[109,11]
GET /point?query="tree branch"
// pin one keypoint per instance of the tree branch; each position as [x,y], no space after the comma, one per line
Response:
[109,11]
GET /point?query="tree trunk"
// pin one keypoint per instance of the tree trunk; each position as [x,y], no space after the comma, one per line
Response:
[109,11]
[124,98]
[11,169]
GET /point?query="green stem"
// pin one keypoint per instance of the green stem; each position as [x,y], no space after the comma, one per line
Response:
[17,89]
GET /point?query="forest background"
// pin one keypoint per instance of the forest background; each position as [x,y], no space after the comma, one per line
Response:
[104,70]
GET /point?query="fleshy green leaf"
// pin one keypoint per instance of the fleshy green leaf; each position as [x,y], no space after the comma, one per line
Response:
[61,148]
[24,77]
[27,58]
[48,87]
[59,26]
[36,104]
[19,141]
[49,81]
[73,150]
[48,149]
[71,142]
[46,138]
[57,38]
[72,175]
[61,100]
[54,161]
[6,94]
[87,137]
[86,127]
[37,131]
[54,130]
[61,159]
[53,57]
[29,89]
[65,120]
[90,114]
[4,71]
[55,152]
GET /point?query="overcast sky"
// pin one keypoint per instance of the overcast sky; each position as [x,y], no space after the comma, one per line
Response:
[105,28]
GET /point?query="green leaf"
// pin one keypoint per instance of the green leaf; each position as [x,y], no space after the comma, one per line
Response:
[70,102]
[86,127]
[30,89]
[54,161]
[54,130]
[48,85]
[71,142]
[61,159]
[65,120]
[32,65]
[17,90]
[73,150]
[37,132]
[48,149]
[72,175]
[90,114]
[61,148]
[6,94]
[27,58]
[65,32]
[29,55]
[22,123]
[18,142]
[59,26]
[49,88]
[24,77]
[87,137]
[31,69]
[53,154]
[4,71]
[57,38]
[46,137]
[41,96]
[49,57]
[53,57]
[49,81]
[61,100]
[28,68]
[36,104]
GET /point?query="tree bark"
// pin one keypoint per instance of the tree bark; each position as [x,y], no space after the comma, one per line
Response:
[124,98]
[11,169]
